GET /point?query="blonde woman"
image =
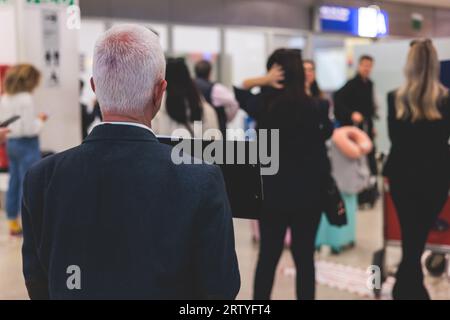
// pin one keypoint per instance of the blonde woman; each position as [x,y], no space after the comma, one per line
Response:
[419,162]
[23,143]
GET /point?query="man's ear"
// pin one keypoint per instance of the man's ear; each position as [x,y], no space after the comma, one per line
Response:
[92,84]
[158,94]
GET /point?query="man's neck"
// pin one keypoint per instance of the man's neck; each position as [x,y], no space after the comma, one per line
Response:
[126,118]
[364,79]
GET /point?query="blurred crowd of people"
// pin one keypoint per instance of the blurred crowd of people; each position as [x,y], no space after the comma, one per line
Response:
[311,124]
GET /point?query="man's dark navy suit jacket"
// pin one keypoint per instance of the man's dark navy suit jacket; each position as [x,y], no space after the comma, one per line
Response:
[135,224]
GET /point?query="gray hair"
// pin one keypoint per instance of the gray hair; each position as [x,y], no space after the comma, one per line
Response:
[128,62]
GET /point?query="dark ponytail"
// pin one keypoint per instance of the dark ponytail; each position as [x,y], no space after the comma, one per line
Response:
[183,102]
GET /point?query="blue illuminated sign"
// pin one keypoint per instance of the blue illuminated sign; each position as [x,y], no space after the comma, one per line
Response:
[364,22]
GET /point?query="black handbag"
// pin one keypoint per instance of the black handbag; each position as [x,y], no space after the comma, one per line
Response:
[333,204]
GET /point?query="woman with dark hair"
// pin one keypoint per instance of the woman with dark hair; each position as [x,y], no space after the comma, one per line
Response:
[312,87]
[293,196]
[344,237]
[183,105]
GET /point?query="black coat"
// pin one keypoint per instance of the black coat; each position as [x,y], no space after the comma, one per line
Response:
[356,96]
[137,225]
[420,151]
[304,167]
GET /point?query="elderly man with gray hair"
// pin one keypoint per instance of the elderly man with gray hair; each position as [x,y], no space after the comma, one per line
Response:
[115,218]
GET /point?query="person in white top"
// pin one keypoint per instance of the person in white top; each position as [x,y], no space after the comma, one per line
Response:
[22,143]
[184,108]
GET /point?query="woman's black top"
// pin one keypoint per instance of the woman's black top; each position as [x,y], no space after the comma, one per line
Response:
[420,150]
[304,127]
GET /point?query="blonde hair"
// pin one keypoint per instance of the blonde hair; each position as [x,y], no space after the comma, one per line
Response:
[21,78]
[419,98]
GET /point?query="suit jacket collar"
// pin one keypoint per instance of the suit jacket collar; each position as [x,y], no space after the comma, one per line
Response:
[120,133]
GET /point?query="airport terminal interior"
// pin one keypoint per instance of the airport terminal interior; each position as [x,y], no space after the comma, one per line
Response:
[358,261]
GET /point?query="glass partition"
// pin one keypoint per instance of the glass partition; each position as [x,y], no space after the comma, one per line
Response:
[88,35]
[246,54]
[197,43]
[291,41]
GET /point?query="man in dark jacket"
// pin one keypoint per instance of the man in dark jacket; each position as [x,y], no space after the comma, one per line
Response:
[355,102]
[115,218]
[355,105]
